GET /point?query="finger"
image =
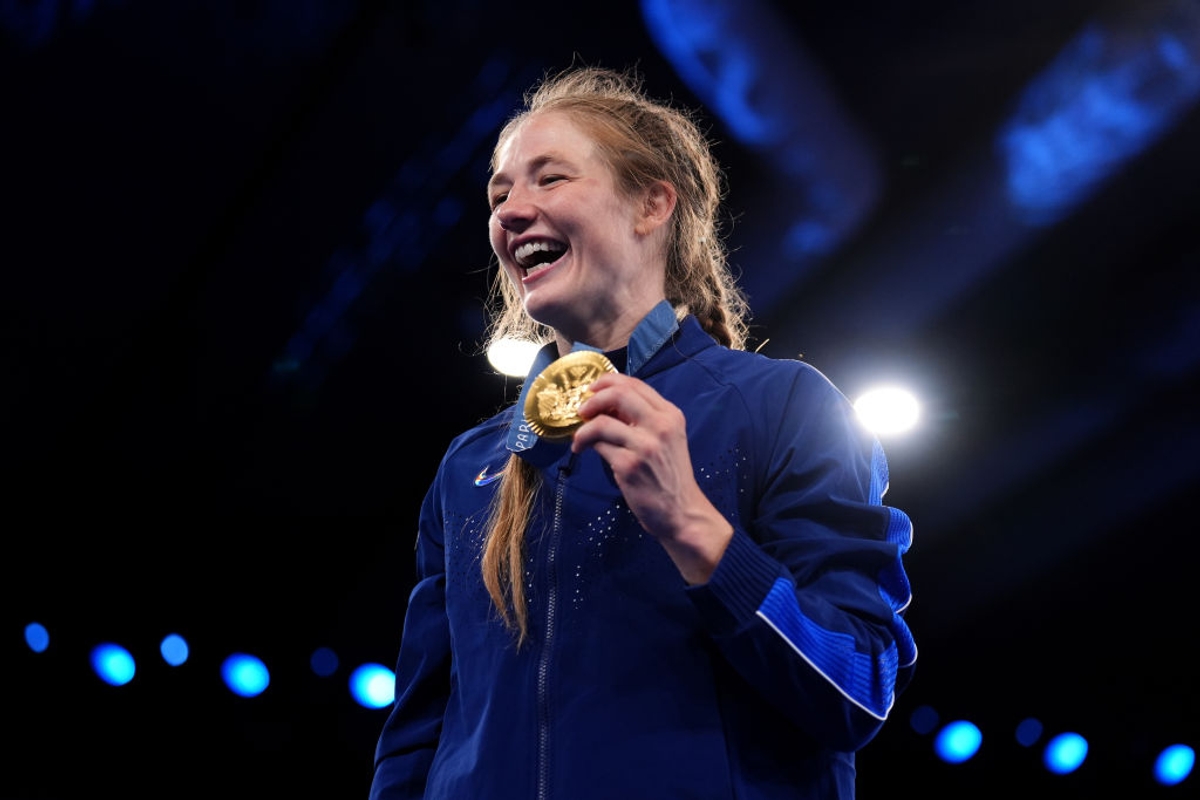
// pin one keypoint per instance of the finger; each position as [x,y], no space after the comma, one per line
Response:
[621,396]
[603,429]
[626,419]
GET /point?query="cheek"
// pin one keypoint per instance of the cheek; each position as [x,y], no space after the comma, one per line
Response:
[495,235]
[498,242]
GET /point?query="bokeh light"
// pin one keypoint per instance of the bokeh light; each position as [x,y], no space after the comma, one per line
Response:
[245,675]
[1065,753]
[37,637]
[958,742]
[373,685]
[113,664]
[512,357]
[174,649]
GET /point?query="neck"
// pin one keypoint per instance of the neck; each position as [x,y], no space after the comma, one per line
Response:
[608,336]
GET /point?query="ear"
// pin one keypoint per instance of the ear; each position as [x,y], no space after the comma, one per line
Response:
[658,203]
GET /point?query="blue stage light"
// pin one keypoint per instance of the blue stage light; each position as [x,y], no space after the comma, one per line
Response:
[1174,764]
[923,720]
[958,742]
[1028,732]
[1065,753]
[773,98]
[245,675]
[373,686]
[174,649]
[37,637]
[324,662]
[1108,96]
[113,663]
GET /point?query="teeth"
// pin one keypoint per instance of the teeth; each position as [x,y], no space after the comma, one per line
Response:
[525,251]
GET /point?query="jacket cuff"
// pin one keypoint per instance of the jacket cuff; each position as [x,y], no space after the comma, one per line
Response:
[738,586]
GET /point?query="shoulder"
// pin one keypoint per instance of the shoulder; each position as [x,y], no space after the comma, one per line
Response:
[702,350]
[768,376]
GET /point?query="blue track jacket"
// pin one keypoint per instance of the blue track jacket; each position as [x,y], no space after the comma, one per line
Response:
[760,684]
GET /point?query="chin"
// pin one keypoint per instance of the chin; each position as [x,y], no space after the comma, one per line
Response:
[545,311]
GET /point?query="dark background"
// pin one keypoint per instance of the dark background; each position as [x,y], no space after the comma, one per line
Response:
[244,256]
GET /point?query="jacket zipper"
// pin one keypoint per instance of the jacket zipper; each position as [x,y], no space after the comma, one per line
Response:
[543,672]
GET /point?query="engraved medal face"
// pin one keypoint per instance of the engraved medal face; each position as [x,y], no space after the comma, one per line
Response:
[552,404]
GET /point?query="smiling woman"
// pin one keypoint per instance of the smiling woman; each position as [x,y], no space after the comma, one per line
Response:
[584,254]
[669,552]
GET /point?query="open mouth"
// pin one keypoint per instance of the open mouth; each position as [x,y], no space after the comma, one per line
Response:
[536,255]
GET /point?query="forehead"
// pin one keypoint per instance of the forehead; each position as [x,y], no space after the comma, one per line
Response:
[546,135]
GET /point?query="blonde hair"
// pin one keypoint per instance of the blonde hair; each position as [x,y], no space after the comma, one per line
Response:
[643,141]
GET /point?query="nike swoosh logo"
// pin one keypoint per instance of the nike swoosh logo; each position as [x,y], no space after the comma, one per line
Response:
[483,478]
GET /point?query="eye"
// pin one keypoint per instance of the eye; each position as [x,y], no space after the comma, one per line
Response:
[497,199]
[546,180]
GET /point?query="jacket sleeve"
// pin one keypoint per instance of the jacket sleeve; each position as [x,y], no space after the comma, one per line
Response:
[410,734]
[807,603]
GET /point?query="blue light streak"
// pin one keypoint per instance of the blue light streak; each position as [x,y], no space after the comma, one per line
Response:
[1109,95]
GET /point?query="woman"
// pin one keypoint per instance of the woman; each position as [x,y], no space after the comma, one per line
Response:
[686,584]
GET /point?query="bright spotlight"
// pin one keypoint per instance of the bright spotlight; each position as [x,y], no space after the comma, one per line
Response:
[512,356]
[888,410]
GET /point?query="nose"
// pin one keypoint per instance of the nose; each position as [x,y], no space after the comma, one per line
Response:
[515,213]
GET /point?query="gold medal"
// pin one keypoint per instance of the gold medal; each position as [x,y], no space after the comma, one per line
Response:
[552,404]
